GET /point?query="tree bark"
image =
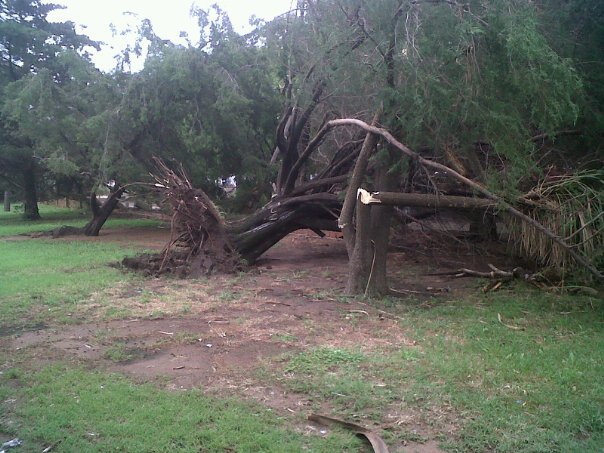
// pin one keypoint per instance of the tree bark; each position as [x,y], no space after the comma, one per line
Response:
[422,200]
[100,214]
[30,192]
[6,201]
[359,264]
[358,174]
[381,216]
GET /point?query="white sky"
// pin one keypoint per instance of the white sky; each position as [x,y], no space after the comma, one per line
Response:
[169,18]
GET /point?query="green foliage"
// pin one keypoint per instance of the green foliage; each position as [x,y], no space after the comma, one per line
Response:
[213,107]
[45,96]
[449,76]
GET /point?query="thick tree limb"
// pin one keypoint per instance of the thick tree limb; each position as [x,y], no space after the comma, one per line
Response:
[317,183]
[423,200]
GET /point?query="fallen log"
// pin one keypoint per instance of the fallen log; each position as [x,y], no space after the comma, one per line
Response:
[424,200]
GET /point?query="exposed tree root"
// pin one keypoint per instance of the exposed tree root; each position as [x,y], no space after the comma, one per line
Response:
[199,244]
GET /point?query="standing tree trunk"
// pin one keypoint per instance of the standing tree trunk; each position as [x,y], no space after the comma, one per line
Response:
[381,217]
[359,265]
[30,201]
[7,201]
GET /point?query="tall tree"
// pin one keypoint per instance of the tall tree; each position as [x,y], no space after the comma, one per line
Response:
[212,106]
[30,44]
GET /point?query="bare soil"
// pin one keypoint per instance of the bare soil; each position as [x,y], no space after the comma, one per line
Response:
[218,334]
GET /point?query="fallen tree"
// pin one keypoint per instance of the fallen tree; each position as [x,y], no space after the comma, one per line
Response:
[204,242]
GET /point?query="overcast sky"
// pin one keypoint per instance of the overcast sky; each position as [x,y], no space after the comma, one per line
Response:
[169,18]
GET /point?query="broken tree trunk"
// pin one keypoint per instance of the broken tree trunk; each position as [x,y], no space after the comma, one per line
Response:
[359,266]
[424,200]
[356,179]
[381,217]
[6,201]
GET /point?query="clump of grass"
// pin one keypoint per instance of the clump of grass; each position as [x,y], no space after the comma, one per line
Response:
[334,375]
[285,337]
[119,352]
[322,359]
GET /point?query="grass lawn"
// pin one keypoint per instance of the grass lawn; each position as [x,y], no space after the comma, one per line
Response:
[84,411]
[535,384]
[46,280]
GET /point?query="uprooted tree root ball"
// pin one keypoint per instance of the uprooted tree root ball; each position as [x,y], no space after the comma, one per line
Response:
[199,244]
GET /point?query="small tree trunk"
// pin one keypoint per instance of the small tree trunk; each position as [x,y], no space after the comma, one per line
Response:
[359,264]
[31,211]
[381,217]
[7,201]
[100,214]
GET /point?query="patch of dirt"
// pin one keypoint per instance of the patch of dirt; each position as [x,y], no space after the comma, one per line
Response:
[152,238]
[217,334]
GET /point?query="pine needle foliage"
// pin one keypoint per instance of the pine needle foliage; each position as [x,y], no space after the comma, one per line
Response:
[572,206]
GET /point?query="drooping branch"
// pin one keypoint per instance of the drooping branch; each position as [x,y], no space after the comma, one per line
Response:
[502,204]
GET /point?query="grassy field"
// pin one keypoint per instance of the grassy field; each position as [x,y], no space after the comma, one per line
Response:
[12,224]
[535,384]
[519,370]
[84,411]
[47,280]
